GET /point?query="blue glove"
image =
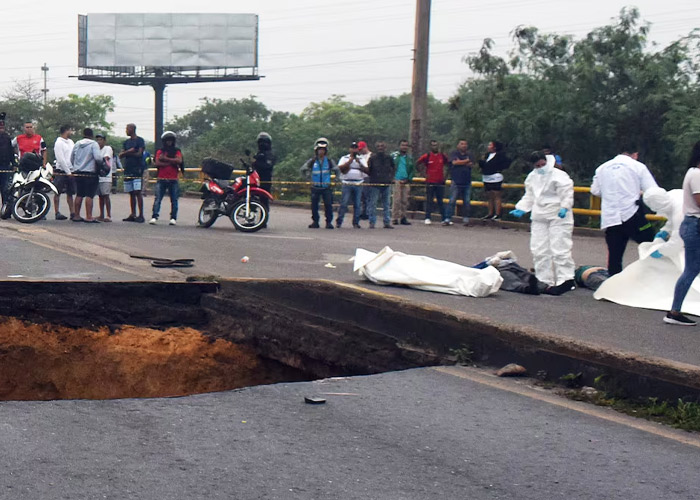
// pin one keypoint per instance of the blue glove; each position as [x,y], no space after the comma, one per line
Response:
[663,235]
[517,213]
[656,255]
[562,212]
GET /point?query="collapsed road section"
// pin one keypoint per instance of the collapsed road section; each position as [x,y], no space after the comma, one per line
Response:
[111,340]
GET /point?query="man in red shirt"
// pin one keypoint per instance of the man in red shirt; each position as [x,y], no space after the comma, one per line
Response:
[168,161]
[433,165]
[29,142]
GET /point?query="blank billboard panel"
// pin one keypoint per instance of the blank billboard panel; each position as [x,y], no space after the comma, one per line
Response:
[195,41]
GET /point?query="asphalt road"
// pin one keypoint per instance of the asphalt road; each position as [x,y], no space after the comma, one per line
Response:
[420,434]
[289,249]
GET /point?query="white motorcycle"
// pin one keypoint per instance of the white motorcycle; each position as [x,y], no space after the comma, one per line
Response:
[28,193]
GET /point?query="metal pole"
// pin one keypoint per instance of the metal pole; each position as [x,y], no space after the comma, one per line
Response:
[419,91]
[159,88]
[45,90]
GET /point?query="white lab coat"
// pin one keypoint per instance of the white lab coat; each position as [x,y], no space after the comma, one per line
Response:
[550,236]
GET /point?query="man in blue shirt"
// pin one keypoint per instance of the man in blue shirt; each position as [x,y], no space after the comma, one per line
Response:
[134,165]
[461,162]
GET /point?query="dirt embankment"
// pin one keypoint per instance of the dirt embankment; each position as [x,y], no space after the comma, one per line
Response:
[44,361]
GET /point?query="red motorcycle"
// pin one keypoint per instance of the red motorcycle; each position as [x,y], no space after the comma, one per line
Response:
[242,200]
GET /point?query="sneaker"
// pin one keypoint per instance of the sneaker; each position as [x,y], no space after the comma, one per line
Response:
[172,222]
[338,225]
[447,222]
[371,225]
[139,219]
[428,222]
[314,225]
[388,226]
[60,216]
[131,218]
[395,222]
[678,319]
[356,226]
[329,225]
[495,217]
[567,286]
[153,221]
[404,222]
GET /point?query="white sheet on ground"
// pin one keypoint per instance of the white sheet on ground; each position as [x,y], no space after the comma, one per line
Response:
[424,273]
[648,283]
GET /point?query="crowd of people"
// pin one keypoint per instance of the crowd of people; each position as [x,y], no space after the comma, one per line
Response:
[85,169]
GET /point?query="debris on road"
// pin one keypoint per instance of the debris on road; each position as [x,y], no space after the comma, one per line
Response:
[330,266]
[245,259]
[309,400]
[512,370]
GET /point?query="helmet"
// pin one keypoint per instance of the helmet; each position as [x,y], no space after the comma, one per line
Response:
[321,142]
[168,135]
[264,136]
[658,199]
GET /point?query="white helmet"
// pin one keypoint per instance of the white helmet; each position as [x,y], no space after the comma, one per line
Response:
[168,135]
[321,142]
[265,136]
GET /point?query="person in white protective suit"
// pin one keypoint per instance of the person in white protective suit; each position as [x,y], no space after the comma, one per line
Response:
[667,204]
[549,195]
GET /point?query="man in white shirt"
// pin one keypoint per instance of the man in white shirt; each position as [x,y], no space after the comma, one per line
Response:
[620,182]
[105,182]
[353,169]
[63,175]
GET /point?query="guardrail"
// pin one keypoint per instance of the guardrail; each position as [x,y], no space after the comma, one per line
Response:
[593,209]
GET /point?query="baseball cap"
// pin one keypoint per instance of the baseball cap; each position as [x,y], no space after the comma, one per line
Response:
[97,136]
[362,144]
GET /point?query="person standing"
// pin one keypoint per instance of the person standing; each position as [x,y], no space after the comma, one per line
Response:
[134,166]
[105,181]
[690,232]
[64,180]
[461,162]
[405,169]
[319,170]
[29,142]
[365,154]
[84,158]
[492,167]
[168,162]
[381,171]
[353,170]
[619,183]
[549,195]
[7,159]
[264,161]
[434,164]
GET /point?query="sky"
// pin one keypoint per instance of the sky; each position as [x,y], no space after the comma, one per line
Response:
[311,50]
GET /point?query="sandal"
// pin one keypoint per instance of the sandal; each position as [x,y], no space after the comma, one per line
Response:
[91,221]
[78,219]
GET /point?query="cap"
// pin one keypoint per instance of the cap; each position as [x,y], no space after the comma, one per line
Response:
[354,145]
[362,144]
[97,136]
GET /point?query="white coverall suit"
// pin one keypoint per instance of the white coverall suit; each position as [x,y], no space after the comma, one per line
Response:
[547,192]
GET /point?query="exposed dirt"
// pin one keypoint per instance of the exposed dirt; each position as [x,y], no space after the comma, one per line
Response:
[44,361]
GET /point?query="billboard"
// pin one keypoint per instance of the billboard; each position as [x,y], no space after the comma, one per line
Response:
[172,41]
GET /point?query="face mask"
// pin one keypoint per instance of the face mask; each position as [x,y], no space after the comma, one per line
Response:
[540,170]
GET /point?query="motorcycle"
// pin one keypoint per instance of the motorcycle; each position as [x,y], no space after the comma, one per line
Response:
[28,198]
[242,200]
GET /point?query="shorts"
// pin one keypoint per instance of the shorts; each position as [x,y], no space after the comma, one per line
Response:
[492,186]
[64,183]
[132,185]
[105,188]
[86,185]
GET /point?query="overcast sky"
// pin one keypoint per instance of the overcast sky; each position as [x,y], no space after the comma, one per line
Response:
[310,50]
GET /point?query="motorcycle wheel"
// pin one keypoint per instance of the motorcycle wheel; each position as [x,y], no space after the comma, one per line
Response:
[257,217]
[31,207]
[208,213]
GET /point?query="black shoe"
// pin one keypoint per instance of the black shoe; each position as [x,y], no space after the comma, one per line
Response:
[395,222]
[139,219]
[533,285]
[567,286]
[338,225]
[357,226]
[131,218]
[404,222]
[678,319]
[329,225]
[487,217]
[388,226]
[364,217]
[60,216]
[495,217]
[314,225]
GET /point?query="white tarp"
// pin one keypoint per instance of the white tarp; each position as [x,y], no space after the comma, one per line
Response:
[424,273]
[648,283]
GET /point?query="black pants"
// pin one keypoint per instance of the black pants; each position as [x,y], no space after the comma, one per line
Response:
[5,179]
[635,228]
[327,195]
[266,180]
[437,192]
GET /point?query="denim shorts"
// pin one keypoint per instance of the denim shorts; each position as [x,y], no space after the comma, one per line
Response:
[132,185]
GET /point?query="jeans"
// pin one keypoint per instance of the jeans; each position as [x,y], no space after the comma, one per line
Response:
[172,186]
[318,193]
[5,180]
[434,191]
[463,193]
[383,193]
[691,239]
[350,192]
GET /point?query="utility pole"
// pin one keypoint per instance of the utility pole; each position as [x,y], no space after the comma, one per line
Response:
[45,90]
[419,90]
